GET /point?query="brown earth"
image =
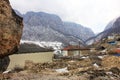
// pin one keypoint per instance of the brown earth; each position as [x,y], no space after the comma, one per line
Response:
[77,70]
[111,61]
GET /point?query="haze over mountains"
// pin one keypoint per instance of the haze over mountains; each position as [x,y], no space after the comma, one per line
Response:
[112,27]
[40,26]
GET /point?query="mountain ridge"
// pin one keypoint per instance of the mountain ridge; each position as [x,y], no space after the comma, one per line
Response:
[43,26]
[113,27]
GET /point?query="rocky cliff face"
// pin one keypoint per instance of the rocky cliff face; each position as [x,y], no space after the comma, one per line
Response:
[10,29]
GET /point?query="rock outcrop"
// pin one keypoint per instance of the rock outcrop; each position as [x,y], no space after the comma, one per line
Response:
[10,29]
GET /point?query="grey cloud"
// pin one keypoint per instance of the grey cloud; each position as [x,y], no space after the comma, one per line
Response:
[91,13]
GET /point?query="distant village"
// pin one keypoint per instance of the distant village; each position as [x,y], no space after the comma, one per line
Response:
[107,46]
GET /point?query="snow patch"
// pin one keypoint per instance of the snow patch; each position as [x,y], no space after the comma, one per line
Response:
[63,70]
[57,46]
[95,65]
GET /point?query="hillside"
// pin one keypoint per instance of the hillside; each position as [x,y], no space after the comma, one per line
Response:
[113,27]
[50,28]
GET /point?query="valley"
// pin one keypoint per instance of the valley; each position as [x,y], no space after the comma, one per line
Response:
[45,45]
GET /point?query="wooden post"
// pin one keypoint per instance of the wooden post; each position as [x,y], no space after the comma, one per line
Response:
[79,48]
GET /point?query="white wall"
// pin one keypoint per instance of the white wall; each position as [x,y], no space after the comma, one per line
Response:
[19,59]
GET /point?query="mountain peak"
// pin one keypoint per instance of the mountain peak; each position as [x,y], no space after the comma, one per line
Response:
[43,26]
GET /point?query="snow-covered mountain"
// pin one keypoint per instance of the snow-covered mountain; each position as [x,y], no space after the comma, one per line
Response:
[77,30]
[40,26]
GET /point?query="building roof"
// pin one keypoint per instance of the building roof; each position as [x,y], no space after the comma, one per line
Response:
[117,50]
[69,48]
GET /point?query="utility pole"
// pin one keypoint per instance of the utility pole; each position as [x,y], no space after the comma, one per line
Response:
[79,48]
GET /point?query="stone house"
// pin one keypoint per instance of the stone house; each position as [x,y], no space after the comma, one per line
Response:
[75,51]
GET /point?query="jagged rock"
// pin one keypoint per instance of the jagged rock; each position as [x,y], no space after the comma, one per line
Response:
[10,29]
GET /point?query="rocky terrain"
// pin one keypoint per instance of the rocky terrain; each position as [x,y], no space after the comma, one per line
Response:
[83,69]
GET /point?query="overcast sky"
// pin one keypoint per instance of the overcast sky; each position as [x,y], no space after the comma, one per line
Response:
[94,14]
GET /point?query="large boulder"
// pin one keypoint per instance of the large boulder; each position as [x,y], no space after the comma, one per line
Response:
[4,62]
[10,29]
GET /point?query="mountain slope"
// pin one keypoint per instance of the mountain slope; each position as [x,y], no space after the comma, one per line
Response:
[40,26]
[77,30]
[112,28]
